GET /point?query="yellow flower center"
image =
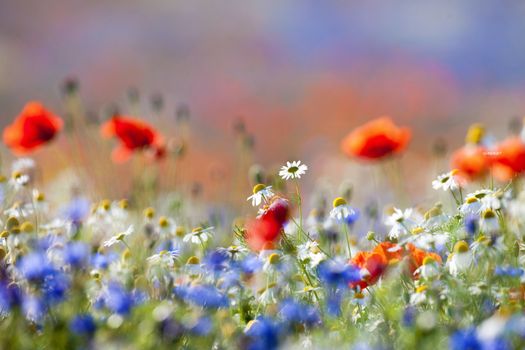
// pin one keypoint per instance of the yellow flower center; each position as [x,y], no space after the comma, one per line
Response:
[105,204]
[471,200]
[124,204]
[417,230]
[338,202]
[421,289]
[489,214]
[293,169]
[193,260]
[163,222]
[274,258]
[461,247]
[258,187]
[428,260]
[149,212]
[475,134]
[27,227]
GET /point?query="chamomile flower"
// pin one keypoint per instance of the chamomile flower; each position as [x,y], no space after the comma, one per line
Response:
[260,192]
[446,181]
[419,296]
[341,211]
[400,222]
[119,237]
[198,235]
[460,259]
[429,269]
[489,222]
[310,253]
[293,170]
[164,257]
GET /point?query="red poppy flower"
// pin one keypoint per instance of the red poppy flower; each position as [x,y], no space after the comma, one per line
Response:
[417,256]
[374,263]
[509,159]
[376,139]
[264,231]
[34,127]
[133,134]
[471,161]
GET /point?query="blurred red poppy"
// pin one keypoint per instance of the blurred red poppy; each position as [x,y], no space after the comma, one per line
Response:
[376,139]
[134,135]
[471,161]
[34,127]
[509,159]
[263,232]
[417,257]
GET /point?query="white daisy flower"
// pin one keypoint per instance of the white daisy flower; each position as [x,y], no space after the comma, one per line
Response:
[311,253]
[164,257]
[400,222]
[419,296]
[199,235]
[293,170]
[460,259]
[489,222]
[260,192]
[341,211]
[429,269]
[119,237]
[446,182]
[23,165]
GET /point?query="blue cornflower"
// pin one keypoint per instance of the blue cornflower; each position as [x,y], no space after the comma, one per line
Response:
[117,299]
[101,261]
[83,324]
[35,266]
[263,334]
[76,254]
[251,264]
[408,316]
[76,210]
[337,273]
[202,327]
[509,271]
[471,225]
[206,296]
[292,311]
[217,260]
[33,308]
[10,296]
[466,339]
[55,287]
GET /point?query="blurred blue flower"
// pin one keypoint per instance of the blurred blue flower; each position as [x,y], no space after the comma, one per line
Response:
[466,339]
[216,260]
[117,299]
[35,266]
[206,296]
[33,308]
[55,287]
[509,271]
[471,225]
[10,296]
[294,312]
[202,327]
[83,324]
[251,264]
[353,217]
[335,273]
[76,210]
[263,334]
[76,254]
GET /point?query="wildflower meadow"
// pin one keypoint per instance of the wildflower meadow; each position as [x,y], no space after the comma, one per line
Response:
[157,270]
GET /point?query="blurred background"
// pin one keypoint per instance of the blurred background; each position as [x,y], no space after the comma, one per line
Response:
[296,75]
